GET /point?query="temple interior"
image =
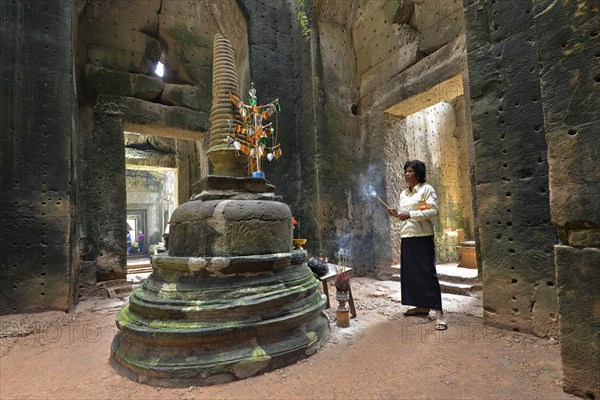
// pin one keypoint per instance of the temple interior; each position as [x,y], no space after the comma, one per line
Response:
[109,108]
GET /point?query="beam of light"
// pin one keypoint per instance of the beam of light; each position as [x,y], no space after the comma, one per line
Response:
[160,69]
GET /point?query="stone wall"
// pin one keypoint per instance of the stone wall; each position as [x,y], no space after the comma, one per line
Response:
[568,49]
[38,252]
[511,167]
[368,57]
[118,47]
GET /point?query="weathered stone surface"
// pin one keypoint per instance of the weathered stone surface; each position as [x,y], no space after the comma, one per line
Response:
[38,240]
[584,238]
[121,38]
[231,183]
[574,195]
[121,23]
[378,76]
[183,327]
[149,158]
[513,201]
[221,266]
[568,51]
[141,112]
[568,56]
[428,14]
[192,97]
[230,228]
[440,66]
[115,82]
[146,87]
[103,206]
[443,31]
[119,59]
[578,280]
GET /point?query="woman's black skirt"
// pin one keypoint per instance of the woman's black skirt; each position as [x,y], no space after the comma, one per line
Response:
[418,278]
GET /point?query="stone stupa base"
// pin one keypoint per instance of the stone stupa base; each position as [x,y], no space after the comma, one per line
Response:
[201,321]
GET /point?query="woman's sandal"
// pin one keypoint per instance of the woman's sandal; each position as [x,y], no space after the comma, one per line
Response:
[441,325]
[415,312]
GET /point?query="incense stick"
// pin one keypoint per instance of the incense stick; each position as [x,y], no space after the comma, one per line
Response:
[382,202]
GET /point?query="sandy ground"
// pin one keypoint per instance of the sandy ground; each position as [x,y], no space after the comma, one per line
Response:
[383,355]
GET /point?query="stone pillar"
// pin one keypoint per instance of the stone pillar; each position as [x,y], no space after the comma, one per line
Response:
[516,234]
[102,197]
[568,52]
[38,252]
[281,67]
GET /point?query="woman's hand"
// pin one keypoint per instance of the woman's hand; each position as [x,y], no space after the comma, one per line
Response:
[403,216]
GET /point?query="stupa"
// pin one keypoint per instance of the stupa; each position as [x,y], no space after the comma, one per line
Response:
[231,299]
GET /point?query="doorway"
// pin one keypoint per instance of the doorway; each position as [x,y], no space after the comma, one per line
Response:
[151,198]
[136,224]
[433,127]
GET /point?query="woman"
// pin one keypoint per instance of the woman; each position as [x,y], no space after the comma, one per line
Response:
[419,282]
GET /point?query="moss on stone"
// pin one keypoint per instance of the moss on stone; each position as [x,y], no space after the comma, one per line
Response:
[146,87]
[182,34]
[311,336]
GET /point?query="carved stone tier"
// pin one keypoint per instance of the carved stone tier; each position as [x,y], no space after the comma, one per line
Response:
[202,321]
[225,228]
[224,159]
[231,299]
[229,187]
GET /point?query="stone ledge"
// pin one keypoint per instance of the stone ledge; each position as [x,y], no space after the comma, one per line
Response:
[154,119]
[216,266]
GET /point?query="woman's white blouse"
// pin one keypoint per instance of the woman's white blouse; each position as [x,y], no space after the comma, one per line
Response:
[420,222]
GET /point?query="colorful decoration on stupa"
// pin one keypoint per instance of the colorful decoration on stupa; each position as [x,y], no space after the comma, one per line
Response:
[256,137]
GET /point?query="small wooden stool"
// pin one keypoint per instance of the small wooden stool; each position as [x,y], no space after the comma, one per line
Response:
[332,273]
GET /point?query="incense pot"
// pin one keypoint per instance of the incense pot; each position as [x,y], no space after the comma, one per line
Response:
[298,244]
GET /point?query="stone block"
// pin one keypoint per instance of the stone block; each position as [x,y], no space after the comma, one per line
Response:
[574,176]
[37,89]
[578,280]
[567,44]
[104,80]
[428,13]
[187,96]
[128,16]
[230,227]
[442,32]
[488,23]
[584,238]
[34,277]
[363,62]
[108,35]
[516,240]
[378,76]
[118,59]
[379,50]
[510,120]
[476,24]
[136,111]
[336,52]
[146,87]
[366,11]
[440,66]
